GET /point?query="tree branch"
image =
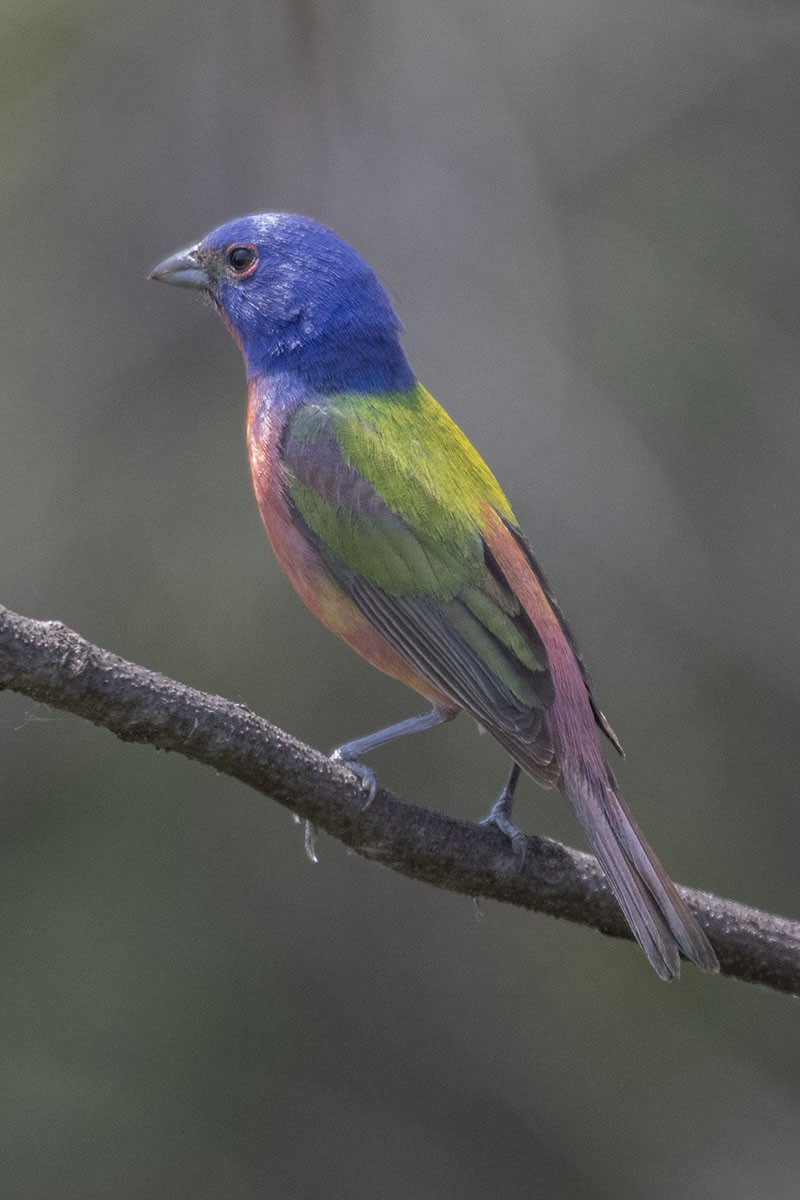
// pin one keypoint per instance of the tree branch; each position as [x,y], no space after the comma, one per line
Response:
[52,664]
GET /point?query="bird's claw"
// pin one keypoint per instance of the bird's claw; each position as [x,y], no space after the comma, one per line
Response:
[499,818]
[364,774]
[309,838]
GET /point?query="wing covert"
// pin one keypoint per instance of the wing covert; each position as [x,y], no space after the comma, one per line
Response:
[443,605]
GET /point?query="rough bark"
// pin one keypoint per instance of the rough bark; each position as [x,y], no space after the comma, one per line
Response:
[50,663]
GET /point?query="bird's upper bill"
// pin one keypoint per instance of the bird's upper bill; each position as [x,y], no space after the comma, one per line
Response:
[183,269]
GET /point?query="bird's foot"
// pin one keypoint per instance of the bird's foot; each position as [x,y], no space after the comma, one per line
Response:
[366,775]
[499,815]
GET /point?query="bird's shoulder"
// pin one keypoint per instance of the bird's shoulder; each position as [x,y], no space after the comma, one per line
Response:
[407,448]
[360,502]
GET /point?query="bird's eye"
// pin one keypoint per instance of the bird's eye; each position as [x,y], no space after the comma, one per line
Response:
[242,260]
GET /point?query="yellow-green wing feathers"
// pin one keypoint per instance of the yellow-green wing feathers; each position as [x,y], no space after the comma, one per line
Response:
[418,459]
[390,494]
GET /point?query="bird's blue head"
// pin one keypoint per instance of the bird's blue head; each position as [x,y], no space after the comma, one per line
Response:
[299,301]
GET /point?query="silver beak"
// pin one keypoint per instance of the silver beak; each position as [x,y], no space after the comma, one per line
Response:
[182,269]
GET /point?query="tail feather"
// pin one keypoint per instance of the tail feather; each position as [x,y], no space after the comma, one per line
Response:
[655,912]
[659,918]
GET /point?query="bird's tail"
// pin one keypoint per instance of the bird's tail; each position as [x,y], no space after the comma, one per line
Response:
[659,918]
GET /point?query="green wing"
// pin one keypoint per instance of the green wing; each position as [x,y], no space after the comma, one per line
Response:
[389,492]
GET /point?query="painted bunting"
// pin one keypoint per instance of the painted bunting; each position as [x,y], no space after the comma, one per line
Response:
[396,534]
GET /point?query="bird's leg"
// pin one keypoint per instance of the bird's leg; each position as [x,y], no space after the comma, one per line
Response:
[350,752]
[500,814]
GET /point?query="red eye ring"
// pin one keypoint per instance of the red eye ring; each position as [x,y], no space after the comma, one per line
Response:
[241,260]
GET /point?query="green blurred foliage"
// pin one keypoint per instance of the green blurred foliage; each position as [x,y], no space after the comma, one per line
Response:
[588,215]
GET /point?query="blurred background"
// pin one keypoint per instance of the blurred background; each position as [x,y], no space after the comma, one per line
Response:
[587,212]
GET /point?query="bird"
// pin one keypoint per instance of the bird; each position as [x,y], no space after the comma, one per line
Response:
[398,537]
